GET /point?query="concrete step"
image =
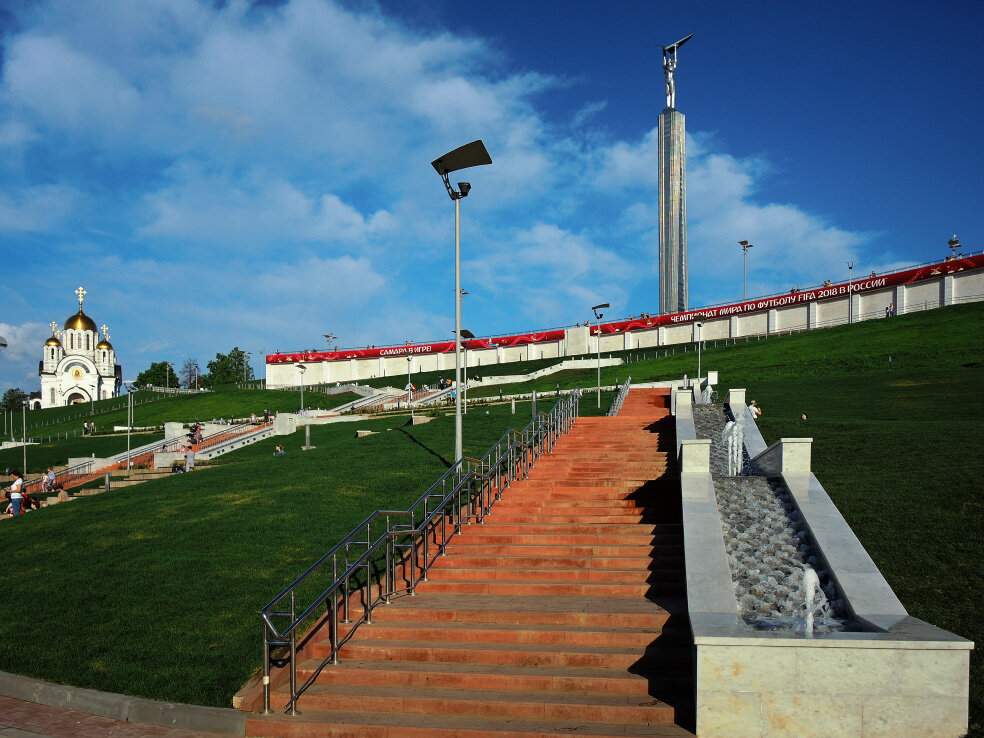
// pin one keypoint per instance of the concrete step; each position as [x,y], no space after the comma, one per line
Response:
[434,701]
[461,675]
[363,724]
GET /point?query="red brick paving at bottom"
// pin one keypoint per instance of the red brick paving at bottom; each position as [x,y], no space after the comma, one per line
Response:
[28,719]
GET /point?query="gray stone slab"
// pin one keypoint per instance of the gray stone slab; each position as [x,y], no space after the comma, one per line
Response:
[123,707]
[187,717]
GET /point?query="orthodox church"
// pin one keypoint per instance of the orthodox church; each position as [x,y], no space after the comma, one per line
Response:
[77,366]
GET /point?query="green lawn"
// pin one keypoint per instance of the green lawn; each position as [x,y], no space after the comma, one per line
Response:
[154,590]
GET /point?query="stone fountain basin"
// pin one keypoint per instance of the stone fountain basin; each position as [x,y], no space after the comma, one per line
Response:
[899,676]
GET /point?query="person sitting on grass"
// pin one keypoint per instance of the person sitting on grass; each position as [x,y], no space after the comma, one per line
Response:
[29,503]
[754,409]
[279,450]
[62,494]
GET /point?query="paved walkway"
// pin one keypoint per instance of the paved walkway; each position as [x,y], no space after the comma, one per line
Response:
[19,719]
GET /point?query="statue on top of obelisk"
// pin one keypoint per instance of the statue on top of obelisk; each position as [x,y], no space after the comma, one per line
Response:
[669,68]
[672,158]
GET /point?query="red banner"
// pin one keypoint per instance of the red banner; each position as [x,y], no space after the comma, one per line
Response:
[416,349]
[647,321]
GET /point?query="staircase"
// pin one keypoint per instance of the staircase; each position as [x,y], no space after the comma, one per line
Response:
[564,613]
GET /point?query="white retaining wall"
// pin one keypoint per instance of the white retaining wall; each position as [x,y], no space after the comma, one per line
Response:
[933,292]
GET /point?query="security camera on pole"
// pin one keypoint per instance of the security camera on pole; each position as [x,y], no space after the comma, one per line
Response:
[470,155]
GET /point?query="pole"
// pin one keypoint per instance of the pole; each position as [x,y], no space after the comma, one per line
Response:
[698,326]
[409,386]
[24,434]
[744,281]
[850,292]
[129,425]
[599,362]
[457,330]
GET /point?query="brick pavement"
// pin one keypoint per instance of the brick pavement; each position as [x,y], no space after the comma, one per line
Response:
[19,719]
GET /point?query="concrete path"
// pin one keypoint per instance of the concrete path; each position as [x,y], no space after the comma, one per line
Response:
[19,719]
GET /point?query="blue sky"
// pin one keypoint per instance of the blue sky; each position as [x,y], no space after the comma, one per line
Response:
[258,174]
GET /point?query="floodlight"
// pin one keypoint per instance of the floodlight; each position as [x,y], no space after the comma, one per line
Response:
[473,154]
[465,333]
[3,342]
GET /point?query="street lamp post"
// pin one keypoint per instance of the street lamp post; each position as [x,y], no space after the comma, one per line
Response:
[850,292]
[129,419]
[745,246]
[698,326]
[301,368]
[24,433]
[598,317]
[464,157]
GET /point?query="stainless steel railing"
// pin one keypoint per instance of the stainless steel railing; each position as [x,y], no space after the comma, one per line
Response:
[402,541]
[623,392]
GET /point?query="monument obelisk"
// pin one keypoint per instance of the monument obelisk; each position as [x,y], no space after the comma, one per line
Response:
[672,193]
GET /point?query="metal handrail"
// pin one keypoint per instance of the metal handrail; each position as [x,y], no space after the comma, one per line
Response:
[463,495]
[623,392]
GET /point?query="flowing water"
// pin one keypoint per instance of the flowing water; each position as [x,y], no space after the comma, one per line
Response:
[779,577]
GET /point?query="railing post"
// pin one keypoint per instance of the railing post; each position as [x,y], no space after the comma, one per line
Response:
[389,576]
[293,657]
[266,669]
[333,635]
[413,567]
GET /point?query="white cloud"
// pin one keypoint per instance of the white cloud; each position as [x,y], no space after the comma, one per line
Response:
[20,359]
[38,209]
[261,176]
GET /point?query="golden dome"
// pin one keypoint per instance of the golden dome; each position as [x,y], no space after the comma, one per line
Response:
[52,341]
[104,344]
[81,322]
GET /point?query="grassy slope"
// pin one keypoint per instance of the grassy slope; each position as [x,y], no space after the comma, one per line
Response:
[154,590]
[57,453]
[154,408]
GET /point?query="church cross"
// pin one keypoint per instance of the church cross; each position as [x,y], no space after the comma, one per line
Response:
[54,326]
[105,330]
[81,293]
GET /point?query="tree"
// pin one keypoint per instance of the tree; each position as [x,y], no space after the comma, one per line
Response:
[190,372]
[160,374]
[12,399]
[229,368]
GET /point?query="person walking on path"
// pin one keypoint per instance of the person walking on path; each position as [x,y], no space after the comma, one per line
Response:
[189,459]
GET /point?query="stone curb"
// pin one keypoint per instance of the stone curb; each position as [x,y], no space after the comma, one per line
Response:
[123,707]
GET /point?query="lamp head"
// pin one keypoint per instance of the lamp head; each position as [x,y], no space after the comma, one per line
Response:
[464,188]
[3,342]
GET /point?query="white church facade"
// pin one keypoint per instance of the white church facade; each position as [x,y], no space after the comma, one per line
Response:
[78,365]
